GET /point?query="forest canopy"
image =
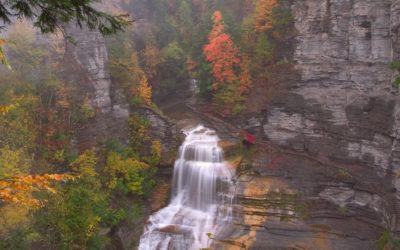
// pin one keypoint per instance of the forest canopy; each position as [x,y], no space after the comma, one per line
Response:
[48,15]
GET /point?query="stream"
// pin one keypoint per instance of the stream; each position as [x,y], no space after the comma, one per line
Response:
[202,188]
[202,195]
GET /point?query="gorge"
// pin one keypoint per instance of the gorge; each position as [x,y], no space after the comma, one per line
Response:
[314,82]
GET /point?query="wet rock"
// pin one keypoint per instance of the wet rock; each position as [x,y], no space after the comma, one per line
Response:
[300,203]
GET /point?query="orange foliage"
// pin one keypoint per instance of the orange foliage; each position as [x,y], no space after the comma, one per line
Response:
[2,56]
[245,76]
[18,189]
[263,14]
[151,56]
[62,100]
[145,90]
[222,53]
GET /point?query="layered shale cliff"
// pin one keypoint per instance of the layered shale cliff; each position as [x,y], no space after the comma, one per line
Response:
[339,125]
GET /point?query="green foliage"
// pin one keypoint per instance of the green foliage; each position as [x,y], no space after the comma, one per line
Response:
[126,175]
[386,241]
[282,17]
[17,239]
[49,16]
[134,213]
[395,65]
[18,127]
[73,216]
[85,165]
[155,157]
[173,52]
[263,51]
[114,145]
[13,162]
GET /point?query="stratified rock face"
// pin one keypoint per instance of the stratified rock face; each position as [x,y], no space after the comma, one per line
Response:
[87,68]
[344,105]
[344,108]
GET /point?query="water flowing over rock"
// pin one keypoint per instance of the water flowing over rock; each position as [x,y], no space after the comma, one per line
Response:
[201,199]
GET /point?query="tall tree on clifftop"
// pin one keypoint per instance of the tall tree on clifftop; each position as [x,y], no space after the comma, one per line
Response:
[231,75]
[222,53]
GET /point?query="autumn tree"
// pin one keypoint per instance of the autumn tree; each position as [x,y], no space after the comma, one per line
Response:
[263,14]
[73,216]
[222,53]
[127,71]
[151,59]
[16,185]
[231,73]
[144,90]
[3,58]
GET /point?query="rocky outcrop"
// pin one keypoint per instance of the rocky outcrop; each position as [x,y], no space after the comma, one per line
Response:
[163,130]
[290,201]
[87,69]
[344,108]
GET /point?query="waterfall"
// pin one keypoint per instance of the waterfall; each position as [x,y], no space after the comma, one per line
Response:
[201,200]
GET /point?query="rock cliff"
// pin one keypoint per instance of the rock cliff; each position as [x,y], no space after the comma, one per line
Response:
[87,68]
[341,116]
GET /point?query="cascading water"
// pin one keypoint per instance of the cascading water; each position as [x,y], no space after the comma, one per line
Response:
[201,198]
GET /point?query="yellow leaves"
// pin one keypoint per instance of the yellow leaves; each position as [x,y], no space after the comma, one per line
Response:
[137,83]
[156,148]
[263,14]
[139,127]
[125,170]
[151,56]
[18,189]
[3,58]
[16,103]
[12,162]
[2,43]
[144,91]
[85,164]
[7,108]
[245,76]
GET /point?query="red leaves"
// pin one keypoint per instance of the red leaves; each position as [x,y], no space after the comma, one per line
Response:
[222,53]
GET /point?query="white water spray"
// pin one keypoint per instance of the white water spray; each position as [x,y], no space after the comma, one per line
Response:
[201,198]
